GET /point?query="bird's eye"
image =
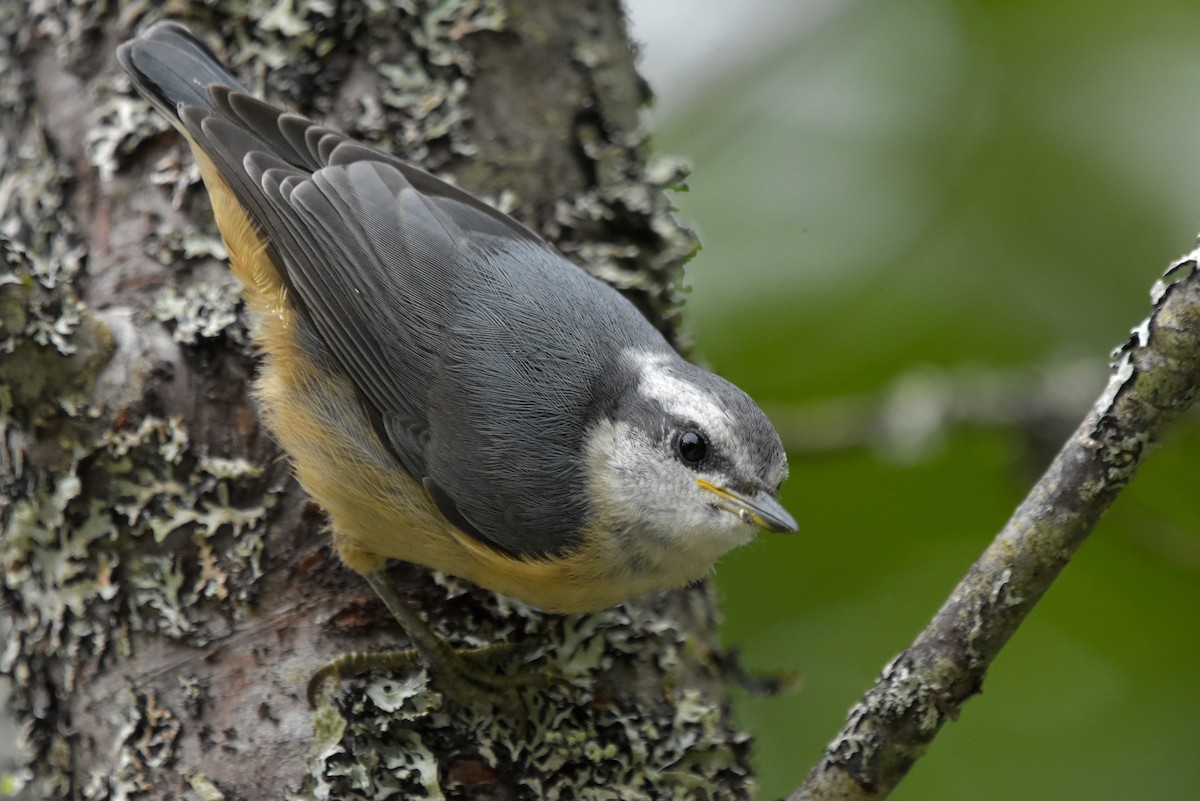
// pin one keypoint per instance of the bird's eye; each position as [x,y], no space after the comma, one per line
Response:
[692,447]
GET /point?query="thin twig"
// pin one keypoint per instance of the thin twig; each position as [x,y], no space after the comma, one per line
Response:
[1154,378]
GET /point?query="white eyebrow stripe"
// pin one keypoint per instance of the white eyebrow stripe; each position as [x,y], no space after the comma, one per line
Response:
[681,397]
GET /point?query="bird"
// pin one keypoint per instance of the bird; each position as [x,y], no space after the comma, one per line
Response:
[449,388]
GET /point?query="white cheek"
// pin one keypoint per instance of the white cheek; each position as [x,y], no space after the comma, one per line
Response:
[660,525]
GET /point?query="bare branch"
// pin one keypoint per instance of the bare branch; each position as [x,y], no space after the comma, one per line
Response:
[1154,378]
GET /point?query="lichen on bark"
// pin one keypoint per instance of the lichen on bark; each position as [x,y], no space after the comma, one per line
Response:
[169,587]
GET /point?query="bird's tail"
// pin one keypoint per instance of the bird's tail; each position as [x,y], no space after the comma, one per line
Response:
[172,68]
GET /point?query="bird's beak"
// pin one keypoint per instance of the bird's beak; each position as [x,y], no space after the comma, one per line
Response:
[762,509]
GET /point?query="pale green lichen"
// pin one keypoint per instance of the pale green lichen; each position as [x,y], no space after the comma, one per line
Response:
[443,23]
[41,244]
[432,106]
[426,82]
[576,739]
[51,347]
[177,245]
[121,124]
[180,175]
[204,787]
[102,532]
[47,363]
[69,533]
[630,195]
[65,538]
[204,310]
[64,26]
[67,548]
[145,743]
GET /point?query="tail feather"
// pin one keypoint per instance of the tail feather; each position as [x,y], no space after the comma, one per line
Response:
[171,67]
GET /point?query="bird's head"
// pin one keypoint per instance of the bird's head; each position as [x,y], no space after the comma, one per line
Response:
[684,466]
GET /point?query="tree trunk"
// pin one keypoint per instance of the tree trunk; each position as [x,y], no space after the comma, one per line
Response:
[169,588]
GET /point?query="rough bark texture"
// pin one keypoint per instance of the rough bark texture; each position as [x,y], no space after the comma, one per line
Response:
[169,589]
[1155,377]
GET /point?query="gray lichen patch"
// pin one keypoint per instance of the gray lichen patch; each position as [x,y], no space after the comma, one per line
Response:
[51,350]
[67,542]
[141,532]
[136,528]
[51,347]
[647,245]
[35,221]
[120,126]
[145,744]
[204,787]
[64,25]
[431,104]
[579,735]
[425,80]
[209,514]
[180,174]
[203,310]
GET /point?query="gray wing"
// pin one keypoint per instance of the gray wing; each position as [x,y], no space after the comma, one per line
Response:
[362,240]
[458,326]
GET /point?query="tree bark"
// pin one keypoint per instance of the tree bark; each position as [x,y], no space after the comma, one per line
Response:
[168,586]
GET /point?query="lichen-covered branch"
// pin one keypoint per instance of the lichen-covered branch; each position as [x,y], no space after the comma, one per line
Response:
[1154,378]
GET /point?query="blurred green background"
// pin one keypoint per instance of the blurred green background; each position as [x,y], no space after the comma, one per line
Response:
[936,205]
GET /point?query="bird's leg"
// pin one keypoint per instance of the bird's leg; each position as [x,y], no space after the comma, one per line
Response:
[464,675]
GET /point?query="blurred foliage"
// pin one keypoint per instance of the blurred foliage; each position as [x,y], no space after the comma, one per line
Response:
[946,184]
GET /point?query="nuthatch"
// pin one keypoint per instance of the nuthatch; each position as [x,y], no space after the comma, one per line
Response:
[450,389]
